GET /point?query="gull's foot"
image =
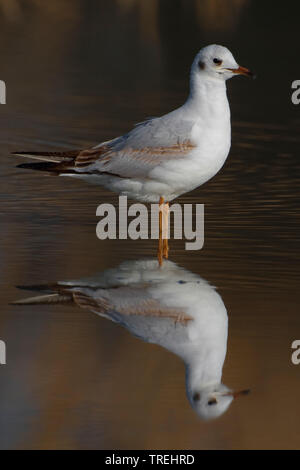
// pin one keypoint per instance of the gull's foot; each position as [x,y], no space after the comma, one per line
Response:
[166,248]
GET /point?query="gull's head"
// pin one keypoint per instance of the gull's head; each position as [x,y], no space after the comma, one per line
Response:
[217,62]
[212,401]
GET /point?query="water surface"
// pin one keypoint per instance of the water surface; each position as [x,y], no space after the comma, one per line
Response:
[75,380]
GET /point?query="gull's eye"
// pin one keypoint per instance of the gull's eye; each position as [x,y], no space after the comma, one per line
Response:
[217,61]
[213,401]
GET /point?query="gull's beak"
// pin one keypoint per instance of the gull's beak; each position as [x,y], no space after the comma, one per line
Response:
[237,394]
[242,71]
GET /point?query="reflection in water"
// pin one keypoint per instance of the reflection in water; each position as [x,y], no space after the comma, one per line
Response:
[168,306]
[77,87]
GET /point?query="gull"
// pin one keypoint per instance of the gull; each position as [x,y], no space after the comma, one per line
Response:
[163,157]
[165,305]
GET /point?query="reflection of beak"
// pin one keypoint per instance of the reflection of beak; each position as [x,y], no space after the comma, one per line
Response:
[238,393]
[242,71]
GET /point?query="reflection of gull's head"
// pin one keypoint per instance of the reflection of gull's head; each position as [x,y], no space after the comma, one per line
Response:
[212,401]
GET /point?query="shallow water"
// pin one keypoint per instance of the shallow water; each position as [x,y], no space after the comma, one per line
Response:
[73,379]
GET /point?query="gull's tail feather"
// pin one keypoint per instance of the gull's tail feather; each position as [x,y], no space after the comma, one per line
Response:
[41,166]
[54,162]
[50,294]
[63,162]
[54,294]
[55,298]
[48,287]
[57,157]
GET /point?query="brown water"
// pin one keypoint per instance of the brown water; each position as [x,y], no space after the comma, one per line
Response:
[83,73]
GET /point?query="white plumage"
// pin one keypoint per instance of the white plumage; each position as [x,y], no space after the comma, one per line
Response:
[167,156]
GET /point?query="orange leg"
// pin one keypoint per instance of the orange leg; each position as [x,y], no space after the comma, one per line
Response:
[160,242]
[165,237]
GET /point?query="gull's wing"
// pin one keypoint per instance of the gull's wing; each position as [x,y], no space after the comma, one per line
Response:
[113,302]
[127,301]
[138,152]
[133,155]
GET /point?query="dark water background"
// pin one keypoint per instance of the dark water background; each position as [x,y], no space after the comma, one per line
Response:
[79,72]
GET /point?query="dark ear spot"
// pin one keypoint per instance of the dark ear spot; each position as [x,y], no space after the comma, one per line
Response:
[201,65]
[196,396]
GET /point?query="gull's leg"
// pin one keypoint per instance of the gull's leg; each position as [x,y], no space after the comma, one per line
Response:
[165,231]
[160,242]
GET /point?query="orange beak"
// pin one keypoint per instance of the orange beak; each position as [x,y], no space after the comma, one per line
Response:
[238,393]
[242,71]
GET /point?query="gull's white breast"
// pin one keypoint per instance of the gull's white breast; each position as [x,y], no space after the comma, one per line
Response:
[212,145]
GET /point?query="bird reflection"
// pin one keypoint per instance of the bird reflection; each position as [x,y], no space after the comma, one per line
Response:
[168,306]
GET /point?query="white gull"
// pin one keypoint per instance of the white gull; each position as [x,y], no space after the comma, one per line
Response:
[163,157]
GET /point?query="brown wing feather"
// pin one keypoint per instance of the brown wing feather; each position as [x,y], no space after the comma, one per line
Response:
[145,307]
[86,157]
